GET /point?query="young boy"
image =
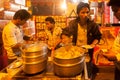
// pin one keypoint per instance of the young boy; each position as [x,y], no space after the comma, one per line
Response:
[66,39]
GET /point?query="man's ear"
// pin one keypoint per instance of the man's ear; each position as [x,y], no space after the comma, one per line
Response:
[71,37]
[18,20]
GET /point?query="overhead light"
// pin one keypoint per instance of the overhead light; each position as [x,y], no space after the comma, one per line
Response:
[86,1]
[1,9]
[74,1]
[64,6]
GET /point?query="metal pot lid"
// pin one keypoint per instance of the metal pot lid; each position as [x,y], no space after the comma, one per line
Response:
[34,47]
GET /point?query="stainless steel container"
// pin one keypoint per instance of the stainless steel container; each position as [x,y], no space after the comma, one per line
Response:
[68,67]
[34,58]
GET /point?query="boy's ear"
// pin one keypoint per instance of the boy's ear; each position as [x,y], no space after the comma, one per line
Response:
[71,37]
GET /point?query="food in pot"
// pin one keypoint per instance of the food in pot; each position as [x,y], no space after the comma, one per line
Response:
[69,52]
[34,58]
[35,47]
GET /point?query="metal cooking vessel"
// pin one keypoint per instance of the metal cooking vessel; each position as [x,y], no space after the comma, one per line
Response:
[34,57]
[68,67]
[34,48]
[35,67]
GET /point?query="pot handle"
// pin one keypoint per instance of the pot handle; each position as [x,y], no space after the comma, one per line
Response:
[85,71]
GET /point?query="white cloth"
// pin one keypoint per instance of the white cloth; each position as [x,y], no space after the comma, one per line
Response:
[11,36]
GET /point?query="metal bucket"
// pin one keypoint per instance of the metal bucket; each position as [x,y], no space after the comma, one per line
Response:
[30,59]
[34,67]
[34,58]
[68,67]
[68,61]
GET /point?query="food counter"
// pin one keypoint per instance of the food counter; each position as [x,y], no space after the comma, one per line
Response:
[47,74]
[18,74]
[35,63]
[108,36]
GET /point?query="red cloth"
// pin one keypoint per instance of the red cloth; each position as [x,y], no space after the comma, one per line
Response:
[3,58]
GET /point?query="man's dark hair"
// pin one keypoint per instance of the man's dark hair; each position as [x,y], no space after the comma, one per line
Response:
[114,3]
[50,19]
[22,14]
[82,5]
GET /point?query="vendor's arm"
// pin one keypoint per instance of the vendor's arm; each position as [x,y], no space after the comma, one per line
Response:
[95,35]
[57,43]
[17,45]
[57,33]
[110,55]
[114,53]
[94,43]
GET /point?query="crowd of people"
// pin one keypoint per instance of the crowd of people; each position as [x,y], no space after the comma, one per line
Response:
[80,31]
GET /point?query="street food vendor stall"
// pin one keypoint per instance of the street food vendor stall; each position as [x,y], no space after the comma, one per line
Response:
[25,68]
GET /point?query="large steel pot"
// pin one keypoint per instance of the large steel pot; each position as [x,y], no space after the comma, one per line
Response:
[34,58]
[30,59]
[34,67]
[68,67]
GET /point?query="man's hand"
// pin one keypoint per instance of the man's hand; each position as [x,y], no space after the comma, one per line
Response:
[110,55]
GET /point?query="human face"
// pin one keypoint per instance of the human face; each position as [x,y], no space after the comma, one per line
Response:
[20,22]
[116,11]
[84,13]
[49,25]
[23,22]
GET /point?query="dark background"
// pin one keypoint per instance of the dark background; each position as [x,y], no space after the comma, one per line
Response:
[44,7]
